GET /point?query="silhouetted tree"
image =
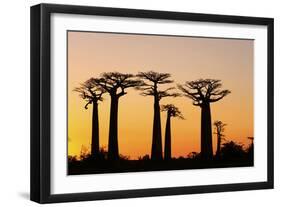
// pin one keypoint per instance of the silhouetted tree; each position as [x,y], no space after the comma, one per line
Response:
[193,155]
[92,94]
[144,158]
[115,84]
[150,87]
[103,154]
[172,111]
[252,140]
[203,92]
[250,149]
[72,159]
[219,127]
[232,151]
[84,153]
[124,157]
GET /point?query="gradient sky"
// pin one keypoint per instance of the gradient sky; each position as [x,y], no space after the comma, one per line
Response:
[186,59]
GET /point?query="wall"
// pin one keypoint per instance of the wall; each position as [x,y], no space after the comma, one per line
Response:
[14,105]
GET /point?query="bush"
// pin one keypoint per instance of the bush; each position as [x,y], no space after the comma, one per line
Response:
[232,151]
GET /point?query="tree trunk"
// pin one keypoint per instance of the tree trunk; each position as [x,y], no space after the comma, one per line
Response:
[113,152]
[156,151]
[206,132]
[167,152]
[218,152]
[95,130]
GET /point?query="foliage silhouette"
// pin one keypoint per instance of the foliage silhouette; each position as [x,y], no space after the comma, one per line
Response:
[115,83]
[232,151]
[172,111]
[145,157]
[193,155]
[219,127]
[232,155]
[72,159]
[150,87]
[92,94]
[250,149]
[203,92]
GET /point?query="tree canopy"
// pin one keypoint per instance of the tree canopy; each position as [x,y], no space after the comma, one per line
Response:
[115,83]
[90,92]
[172,110]
[151,80]
[203,91]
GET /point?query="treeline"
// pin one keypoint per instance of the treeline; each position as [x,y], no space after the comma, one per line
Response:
[202,92]
[229,151]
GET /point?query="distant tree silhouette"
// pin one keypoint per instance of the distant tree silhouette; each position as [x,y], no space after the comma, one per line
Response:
[193,155]
[115,83]
[219,127]
[172,111]
[84,153]
[251,139]
[72,159]
[203,92]
[124,157]
[103,154]
[250,149]
[150,87]
[232,151]
[92,94]
[144,158]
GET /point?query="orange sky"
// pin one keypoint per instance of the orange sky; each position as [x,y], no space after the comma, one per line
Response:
[186,59]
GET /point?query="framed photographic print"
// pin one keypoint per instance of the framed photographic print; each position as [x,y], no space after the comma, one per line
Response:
[132,103]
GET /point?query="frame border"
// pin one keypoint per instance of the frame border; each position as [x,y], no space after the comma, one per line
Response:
[40,102]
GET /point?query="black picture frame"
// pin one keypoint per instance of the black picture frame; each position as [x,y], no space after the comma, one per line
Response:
[41,96]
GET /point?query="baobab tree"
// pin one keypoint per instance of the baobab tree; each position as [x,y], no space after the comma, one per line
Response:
[203,92]
[150,87]
[92,94]
[219,127]
[115,83]
[172,111]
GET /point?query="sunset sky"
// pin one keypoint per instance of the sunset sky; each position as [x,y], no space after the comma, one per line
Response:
[186,59]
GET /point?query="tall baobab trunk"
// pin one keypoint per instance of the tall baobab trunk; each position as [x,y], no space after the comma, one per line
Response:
[113,152]
[167,152]
[203,92]
[206,132]
[95,130]
[156,151]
